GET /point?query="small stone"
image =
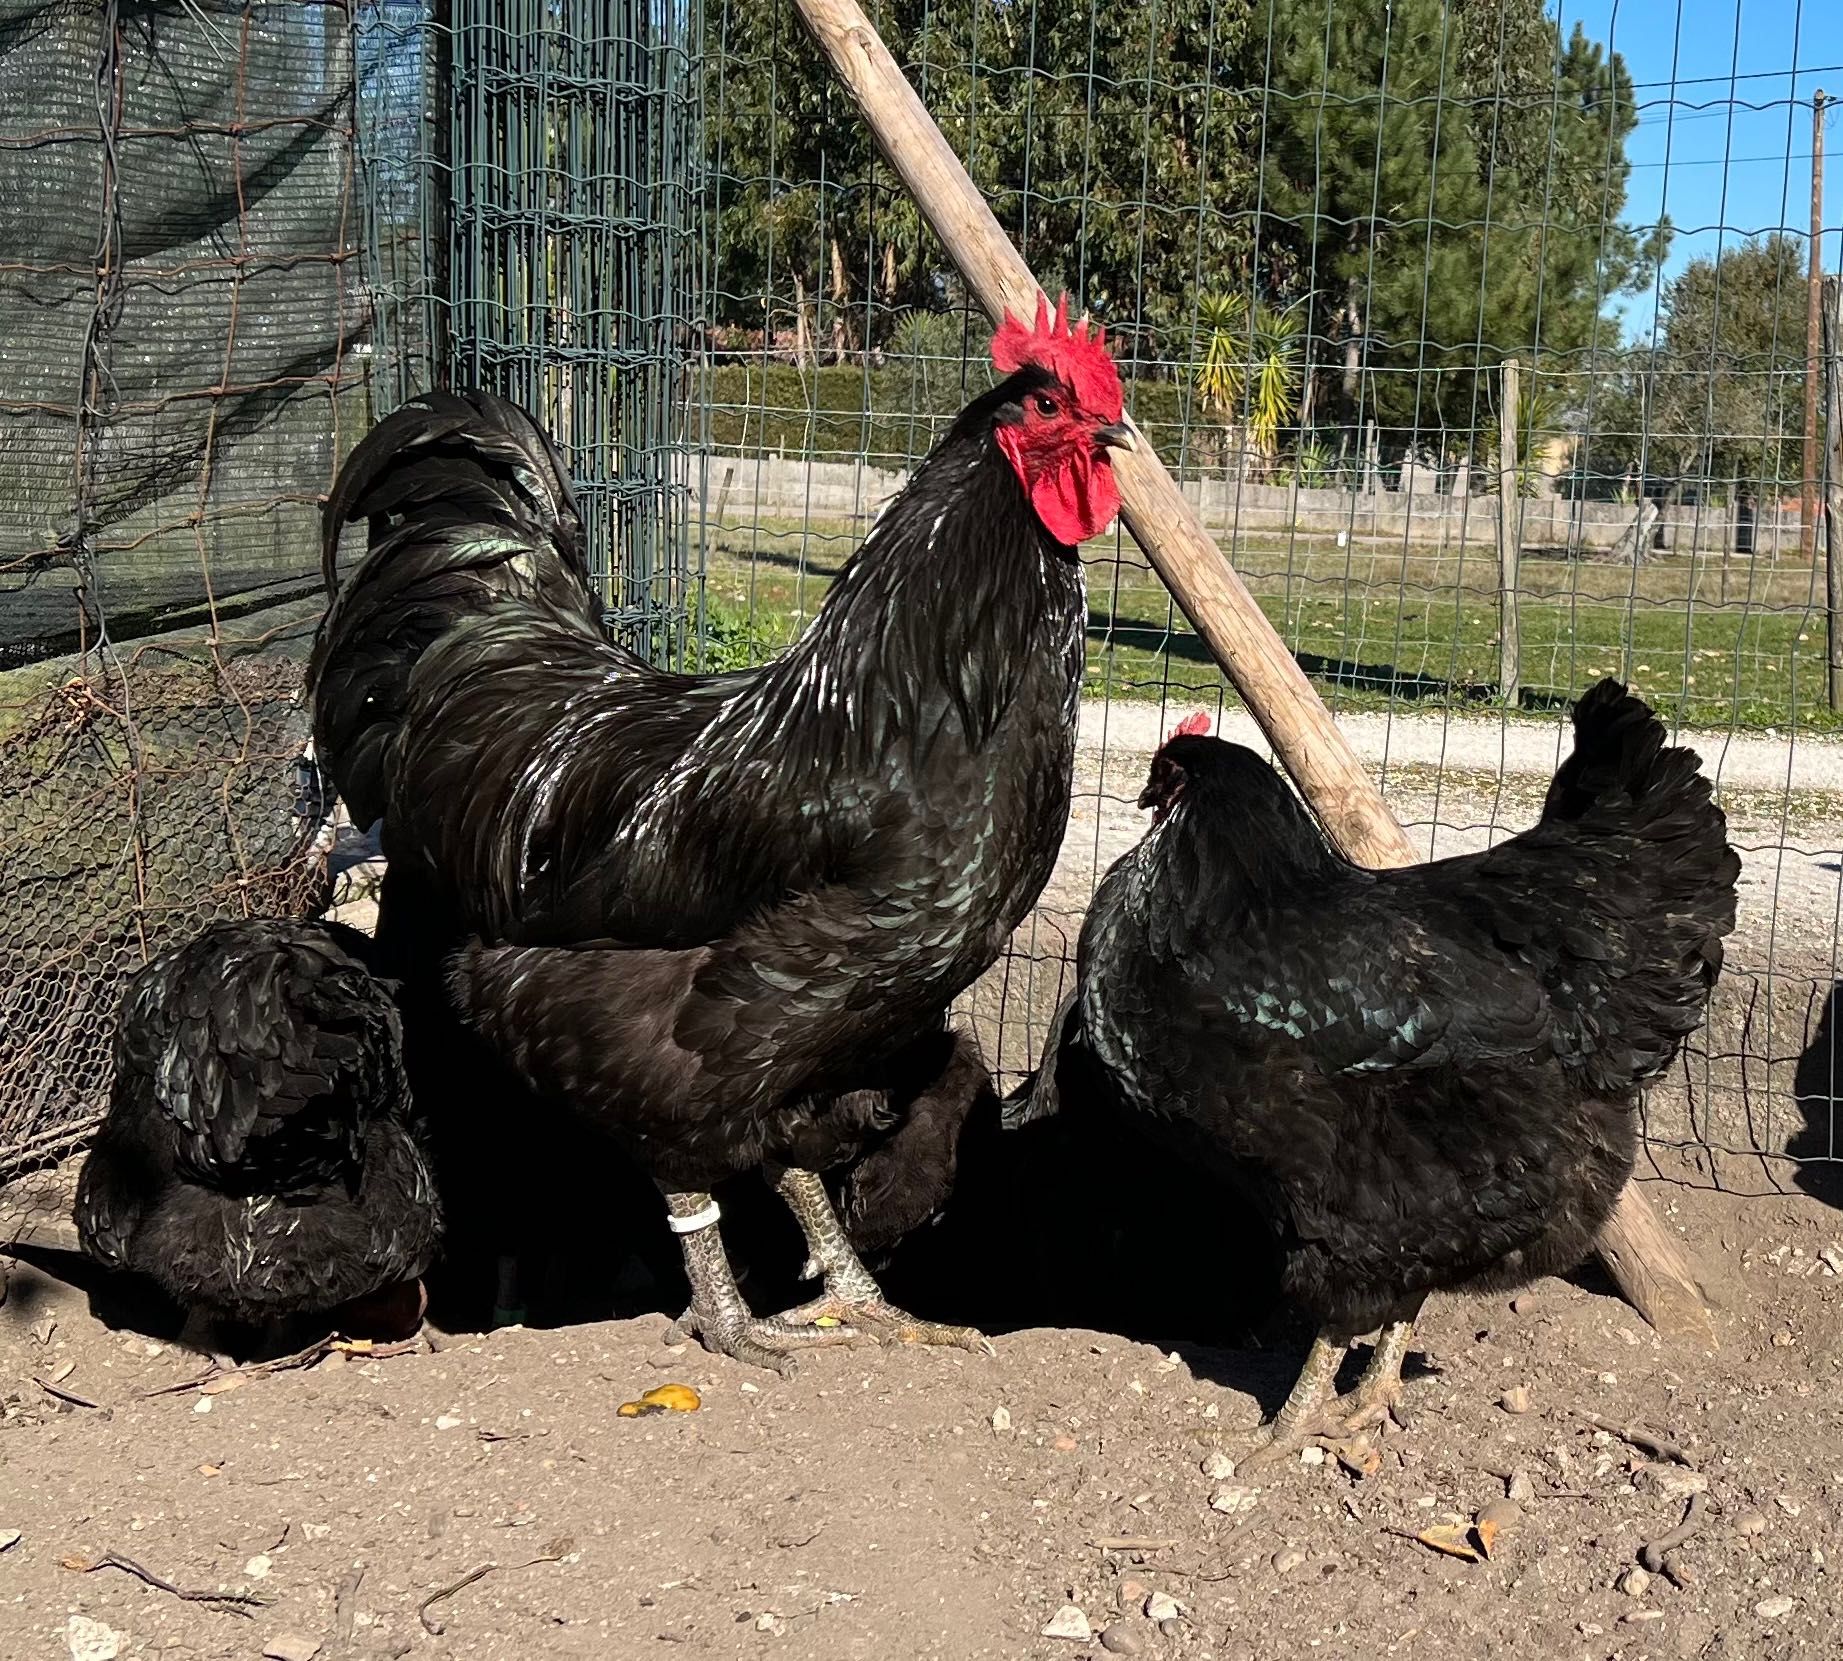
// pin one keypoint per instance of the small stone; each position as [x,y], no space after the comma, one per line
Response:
[1787,1504]
[1218,1466]
[331,1362]
[1284,1562]
[1133,1593]
[1121,1639]
[1524,1303]
[202,1405]
[1638,1617]
[1171,1628]
[1064,1444]
[1162,1606]
[90,1640]
[258,1567]
[1775,1609]
[1751,1523]
[1499,1515]
[315,1531]
[43,1329]
[1832,1259]
[1232,1502]
[291,1646]
[1312,1455]
[446,1421]
[1069,1622]
[1635,1582]
[1001,1420]
[768,1621]
[749,1389]
[1520,1488]
[1515,1399]
[1671,1482]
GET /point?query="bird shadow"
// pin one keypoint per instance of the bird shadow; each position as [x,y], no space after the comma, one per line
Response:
[1817,1092]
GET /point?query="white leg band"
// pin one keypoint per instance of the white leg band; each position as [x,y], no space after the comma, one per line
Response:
[692,1221]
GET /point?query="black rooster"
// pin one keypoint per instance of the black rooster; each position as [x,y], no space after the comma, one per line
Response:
[1424,1078]
[260,1159]
[701,912]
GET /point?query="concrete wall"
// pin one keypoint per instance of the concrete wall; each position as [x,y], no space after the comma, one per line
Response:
[774,487]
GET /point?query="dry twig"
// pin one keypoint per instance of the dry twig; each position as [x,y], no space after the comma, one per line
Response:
[62,1394]
[345,1607]
[1129,1542]
[1655,1554]
[555,1552]
[232,1603]
[1645,1441]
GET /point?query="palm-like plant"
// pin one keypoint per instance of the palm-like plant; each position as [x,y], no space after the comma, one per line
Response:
[1539,416]
[1251,370]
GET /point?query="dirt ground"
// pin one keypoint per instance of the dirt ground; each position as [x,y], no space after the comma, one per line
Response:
[896,1503]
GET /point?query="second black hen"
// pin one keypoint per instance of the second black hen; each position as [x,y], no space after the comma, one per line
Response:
[1423,1078]
[260,1159]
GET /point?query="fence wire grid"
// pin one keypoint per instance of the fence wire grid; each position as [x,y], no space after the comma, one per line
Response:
[1397,293]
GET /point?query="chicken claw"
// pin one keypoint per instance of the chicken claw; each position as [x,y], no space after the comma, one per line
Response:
[851,1295]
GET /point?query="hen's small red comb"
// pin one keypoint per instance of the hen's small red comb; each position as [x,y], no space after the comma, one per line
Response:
[1192,726]
[1080,359]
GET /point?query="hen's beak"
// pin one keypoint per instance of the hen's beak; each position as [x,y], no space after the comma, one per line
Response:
[1119,436]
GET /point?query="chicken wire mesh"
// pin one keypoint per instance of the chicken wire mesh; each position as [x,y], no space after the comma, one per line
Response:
[1319,232]
[176,382]
[241,231]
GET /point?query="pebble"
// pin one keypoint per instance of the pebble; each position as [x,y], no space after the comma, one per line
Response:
[1284,1562]
[1121,1639]
[331,1363]
[1787,1504]
[1162,1606]
[1635,1582]
[1133,1593]
[1671,1482]
[1515,1399]
[1069,1622]
[1775,1609]
[1218,1466]
[1313,1455]
[90,1640]
[1751,1523]
[291,1646]
[1171,1628]
[1524,1302]
[258,1567]
[202,1405]
[1232,1502]
[447,1421]
[1064,1444]
[1500,1514]
[1520,1488]
[1001,1420]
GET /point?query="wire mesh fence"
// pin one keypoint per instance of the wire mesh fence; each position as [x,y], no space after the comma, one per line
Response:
[1318,233]
[176,383]
[1395,291]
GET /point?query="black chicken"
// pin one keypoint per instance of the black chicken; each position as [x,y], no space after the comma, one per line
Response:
[701,911]
[260,1159]
[1424,1078]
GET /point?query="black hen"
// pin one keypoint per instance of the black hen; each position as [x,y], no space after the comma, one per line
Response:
[1424,1078]
[702,912]
[260,1158]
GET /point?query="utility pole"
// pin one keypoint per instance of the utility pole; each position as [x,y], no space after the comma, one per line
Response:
[1814,312]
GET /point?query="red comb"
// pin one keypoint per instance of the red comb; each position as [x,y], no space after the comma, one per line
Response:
[1192,726]
[1080,359]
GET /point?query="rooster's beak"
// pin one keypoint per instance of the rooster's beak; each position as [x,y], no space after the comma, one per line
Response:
[1117,437]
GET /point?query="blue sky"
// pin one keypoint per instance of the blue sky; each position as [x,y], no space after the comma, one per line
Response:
[1721,145]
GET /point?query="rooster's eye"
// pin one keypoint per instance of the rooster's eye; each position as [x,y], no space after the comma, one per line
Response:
[1046,405]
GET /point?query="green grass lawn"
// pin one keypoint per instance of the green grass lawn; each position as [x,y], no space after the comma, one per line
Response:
[1375,627]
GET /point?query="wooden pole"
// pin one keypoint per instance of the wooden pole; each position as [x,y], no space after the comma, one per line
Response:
[1808,497]
[1203,583]
[1509,538]
[1833,483]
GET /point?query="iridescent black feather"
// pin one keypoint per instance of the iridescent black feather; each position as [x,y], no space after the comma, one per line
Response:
[1426,1077]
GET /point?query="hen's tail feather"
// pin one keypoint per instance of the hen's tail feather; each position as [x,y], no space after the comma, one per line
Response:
[467,506]
[1662,879]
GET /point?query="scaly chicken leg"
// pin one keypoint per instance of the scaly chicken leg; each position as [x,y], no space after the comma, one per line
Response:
[1305,1417]
[851,1294]
[718,1315]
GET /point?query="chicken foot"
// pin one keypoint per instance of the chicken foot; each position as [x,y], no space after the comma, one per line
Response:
[851,1294]
[719,1317]
[1306,1418]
